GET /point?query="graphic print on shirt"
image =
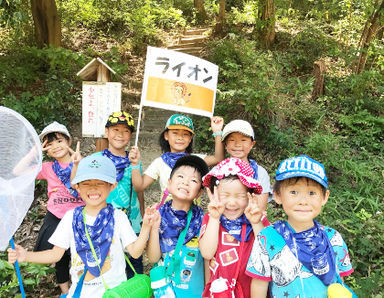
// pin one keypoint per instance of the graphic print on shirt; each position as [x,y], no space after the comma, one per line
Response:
[228,239]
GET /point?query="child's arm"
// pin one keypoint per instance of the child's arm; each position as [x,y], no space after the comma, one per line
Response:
[76,157]
[42,257]
[216,126]
[209,241]
[140,197]
[136,248]
[254,213]
[153,245]
[259,288]
[140,183]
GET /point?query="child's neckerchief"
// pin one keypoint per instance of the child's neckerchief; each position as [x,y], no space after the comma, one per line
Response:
[65,176]
[174,221]
[233,227]
[101,234]
[312,248]
[254,167]
[121,163]
[170,158]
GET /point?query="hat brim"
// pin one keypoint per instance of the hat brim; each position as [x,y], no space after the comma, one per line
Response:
[287,175]
[81,178]
[42,135]
[180,127]
[249,182]
[229,132]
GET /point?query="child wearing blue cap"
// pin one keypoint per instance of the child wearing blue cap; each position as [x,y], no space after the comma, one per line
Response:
[298,257]
[97,234]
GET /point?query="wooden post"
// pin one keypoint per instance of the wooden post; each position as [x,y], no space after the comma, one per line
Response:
[319,71]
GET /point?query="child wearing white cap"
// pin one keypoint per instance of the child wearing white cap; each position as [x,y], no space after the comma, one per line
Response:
[239,139]
[97,234]
[299,257]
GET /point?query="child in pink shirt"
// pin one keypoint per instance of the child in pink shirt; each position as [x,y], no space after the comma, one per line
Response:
[61,197]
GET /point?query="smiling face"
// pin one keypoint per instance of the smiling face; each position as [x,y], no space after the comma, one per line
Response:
[233,194]
[178,139]
[185,184]
[302,201]
[239,145]
[94,193]
[118,137]
[58,147]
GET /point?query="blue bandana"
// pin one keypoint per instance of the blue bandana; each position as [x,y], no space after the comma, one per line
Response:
[312,248]
[254,167]
[170,158]
[233,227]
[101,234]
[65,176]
[174,221]
[121,163]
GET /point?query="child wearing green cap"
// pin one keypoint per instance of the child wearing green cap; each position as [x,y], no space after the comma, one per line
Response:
[97,234]
[298,257]
[175,142]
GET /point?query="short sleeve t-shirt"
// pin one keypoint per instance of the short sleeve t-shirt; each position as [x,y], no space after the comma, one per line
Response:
[59,198]
[264,179]
[125,196]
[226,259]
[272,260]
[114,265]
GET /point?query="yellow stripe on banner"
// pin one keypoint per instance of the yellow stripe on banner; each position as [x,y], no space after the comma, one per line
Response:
[179,94]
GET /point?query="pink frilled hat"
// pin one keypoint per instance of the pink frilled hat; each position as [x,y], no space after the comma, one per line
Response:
[234,166]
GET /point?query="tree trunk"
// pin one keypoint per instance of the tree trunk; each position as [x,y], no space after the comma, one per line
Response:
[266,15]
[47,22]
[372,27]
[319,71]
[201,13]
[219,28]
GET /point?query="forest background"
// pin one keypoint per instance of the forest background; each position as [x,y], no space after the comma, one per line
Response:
[308,75]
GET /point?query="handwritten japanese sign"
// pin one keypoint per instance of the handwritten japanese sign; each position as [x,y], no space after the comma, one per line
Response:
[179,82]
[99,101]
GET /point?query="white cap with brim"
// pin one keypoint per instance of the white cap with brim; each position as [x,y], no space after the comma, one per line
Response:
[96,167]
[240,126]
[54,127]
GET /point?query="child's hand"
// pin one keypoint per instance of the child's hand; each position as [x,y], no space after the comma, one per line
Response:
[134,155]
[75,155]
[152,217]
[217,124]
[18,254]
[45,147]
[252,211]
[215,206]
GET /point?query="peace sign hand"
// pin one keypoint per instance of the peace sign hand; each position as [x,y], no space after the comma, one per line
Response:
[253,211]
[45,147]
[215,206]
[75,155]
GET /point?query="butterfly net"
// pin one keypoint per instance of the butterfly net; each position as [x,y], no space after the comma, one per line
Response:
[20,161]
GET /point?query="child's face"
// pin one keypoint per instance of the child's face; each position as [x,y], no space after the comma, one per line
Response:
[233,194]
[185,184]
[58,148]
[95,192]
[239,145]
[178,139]
[118,136]
[302,202]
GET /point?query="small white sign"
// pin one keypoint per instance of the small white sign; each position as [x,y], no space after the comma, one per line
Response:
[100,99]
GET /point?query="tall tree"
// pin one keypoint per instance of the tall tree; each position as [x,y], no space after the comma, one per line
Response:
[266,27]
[221,18]
[373,25]
[201,13]
[47,22]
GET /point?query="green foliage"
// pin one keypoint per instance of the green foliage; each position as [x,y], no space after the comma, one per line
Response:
[31,274]
[41,84]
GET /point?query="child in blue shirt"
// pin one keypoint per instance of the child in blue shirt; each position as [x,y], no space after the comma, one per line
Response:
[185,184]
[298,257]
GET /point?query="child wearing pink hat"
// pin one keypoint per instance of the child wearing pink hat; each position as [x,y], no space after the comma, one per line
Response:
[230,226]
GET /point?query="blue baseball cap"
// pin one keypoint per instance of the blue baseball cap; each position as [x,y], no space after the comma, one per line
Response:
[302,166]
[95,167]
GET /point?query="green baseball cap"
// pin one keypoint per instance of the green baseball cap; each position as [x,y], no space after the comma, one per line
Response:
[177,121]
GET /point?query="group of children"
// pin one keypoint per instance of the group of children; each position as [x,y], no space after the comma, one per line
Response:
[95,212]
